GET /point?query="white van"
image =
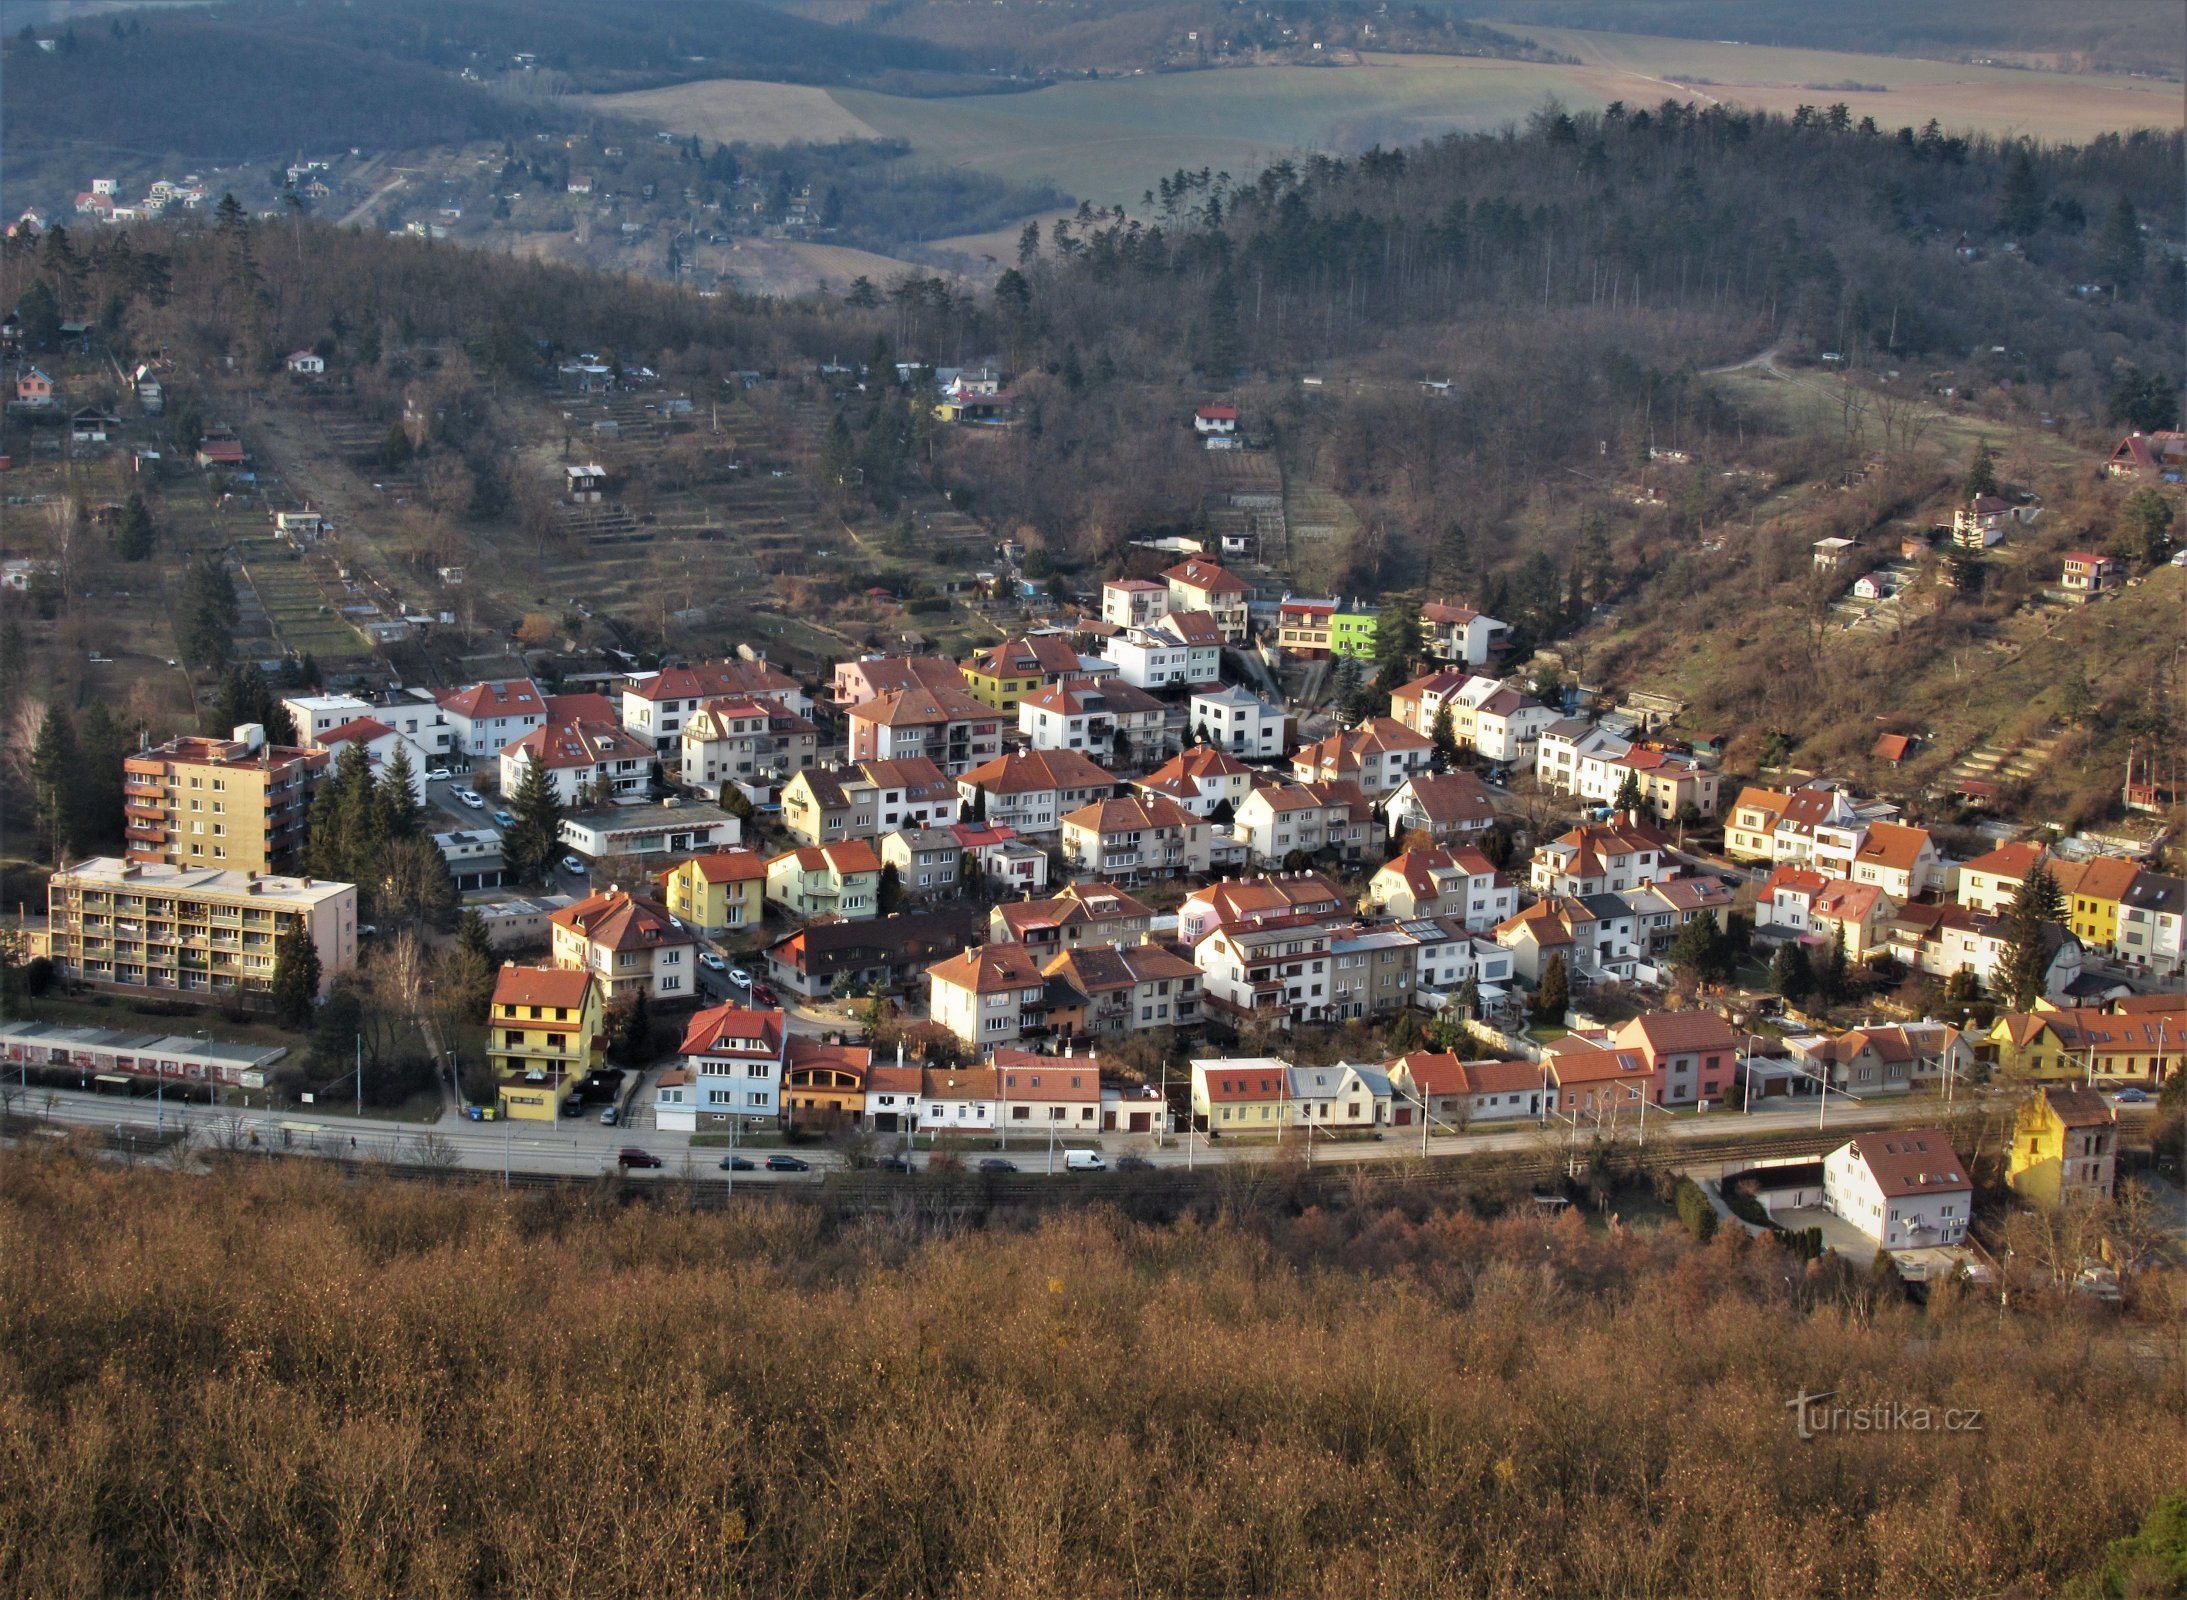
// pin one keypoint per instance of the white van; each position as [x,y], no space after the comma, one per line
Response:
[1083,1161]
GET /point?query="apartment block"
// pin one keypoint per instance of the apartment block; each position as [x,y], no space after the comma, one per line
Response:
[142,925]
[238,804]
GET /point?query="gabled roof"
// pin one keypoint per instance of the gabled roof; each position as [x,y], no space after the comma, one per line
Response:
[363,729]
[561,987]
[1189,628]
[1673,1032]
[1446,613]
[959,1083]
[1040,654]
[1129,813]
[1233,1082]
[1037,771]
[728,866]
[561,745]
[804,1054]
[1911,1161]
[731,1030]
[1093,968]
[990,969]
[2110,878]
[917,776]
[507,697]
[922,707]
[2007,861]
[1451,799]
[842,859]
[618,920]
[1080,903]
[1027,1075]
[1442,682]
[2078,1107]
[708,678]
[1078,697]
[1187,771]
[1791,877]
[1577,1059]
[1893,846]
[1376,736]
[1841,901]
[1206,576]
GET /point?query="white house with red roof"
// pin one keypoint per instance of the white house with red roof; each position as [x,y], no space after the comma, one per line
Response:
[1460,635]
[580,756]
[485,717]
[380,744]
[732,1068]
[1449,807]
[1204,585]
[1183,648]
[987,996]
[1134,602]
[1460,883]
[1379,756]
[1602,858]
[1032,790]
[1905,1188]
[946,726]
[1200,779]
[1219,422]
[655,704]
[630,945]
[1089,716]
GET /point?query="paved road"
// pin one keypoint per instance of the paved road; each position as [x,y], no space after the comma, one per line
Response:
[583,1147]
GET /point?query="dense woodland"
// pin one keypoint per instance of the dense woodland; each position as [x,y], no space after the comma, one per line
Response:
[293,1384]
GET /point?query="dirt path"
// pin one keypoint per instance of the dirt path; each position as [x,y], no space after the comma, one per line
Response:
[371,201]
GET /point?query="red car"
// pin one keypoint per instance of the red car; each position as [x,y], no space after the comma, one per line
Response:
[764,996]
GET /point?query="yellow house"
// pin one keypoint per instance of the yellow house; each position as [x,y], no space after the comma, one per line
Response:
[546,1031]
[2070,1046]
[1005,674]
[2065,1146]
[2092,891]
[724,892]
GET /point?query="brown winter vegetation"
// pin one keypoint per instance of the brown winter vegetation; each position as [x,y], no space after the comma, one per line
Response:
[275,1382]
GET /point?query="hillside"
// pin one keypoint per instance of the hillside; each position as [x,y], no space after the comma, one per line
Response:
[345,1388]
[1639,444]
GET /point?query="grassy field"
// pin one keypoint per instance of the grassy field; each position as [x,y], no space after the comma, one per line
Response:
[734,111]
[1107,140]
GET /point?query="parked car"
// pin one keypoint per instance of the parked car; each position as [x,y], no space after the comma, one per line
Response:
[997,1164]
[764,996]
[783,1163]
[472,798]
[574,867]
[1134,1164]
[631,1156]
[506,818]
[735,1164]
[739,977]
[1084,1161]
[440,775]
[2132,1097]
[711,962]
[607,1117]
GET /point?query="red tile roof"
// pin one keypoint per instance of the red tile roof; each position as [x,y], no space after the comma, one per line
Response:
[563,987]
[731,1030]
